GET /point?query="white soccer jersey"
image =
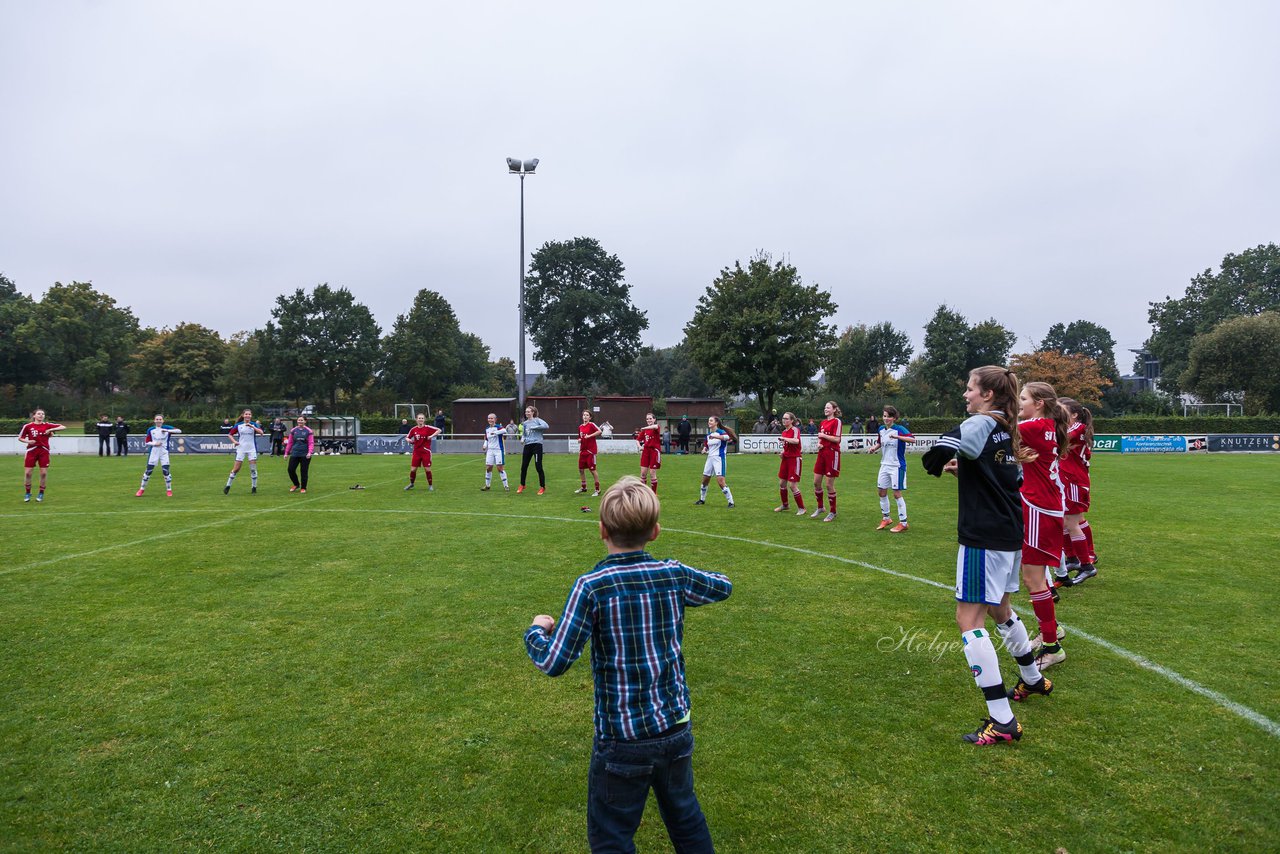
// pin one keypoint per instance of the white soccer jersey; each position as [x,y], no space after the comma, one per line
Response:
[160,452]
[243,435]
[893,453]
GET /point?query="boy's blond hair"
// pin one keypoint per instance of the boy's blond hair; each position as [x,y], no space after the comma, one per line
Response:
[628,512]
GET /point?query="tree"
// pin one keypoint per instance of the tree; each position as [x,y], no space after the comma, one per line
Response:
[1240,360]
[245,371]
[952,348]
[1086,339]
[664,372]
[183,363]
[578,312]
[19,361]
[322,342]
[423,357]
[761,330]
[1247,284]
[84,339]
[1074,375]
[863,353]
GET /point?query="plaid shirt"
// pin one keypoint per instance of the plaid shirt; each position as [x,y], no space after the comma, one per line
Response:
[631,606]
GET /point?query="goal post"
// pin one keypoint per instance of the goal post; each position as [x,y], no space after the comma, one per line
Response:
[1213,409]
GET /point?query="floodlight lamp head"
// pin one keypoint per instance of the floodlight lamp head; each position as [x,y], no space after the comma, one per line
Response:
[513,165]
[530,165]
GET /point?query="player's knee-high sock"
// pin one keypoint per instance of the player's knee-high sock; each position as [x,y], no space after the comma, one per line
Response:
[985,667]
[488,478]
[503,474]
[1046,616]
[653,484]
[26,482]
[831,501]
[253,475]
[1078,547]
[583,478]
[884,507]
[428,471]
[902,509]
[231,477]
[817,495]
[786,497]
[727,493]
[413,474]
[44,476]
[702,493]
[146,476]
[799,498]
[1088,542]
[1016,641]
[168,477]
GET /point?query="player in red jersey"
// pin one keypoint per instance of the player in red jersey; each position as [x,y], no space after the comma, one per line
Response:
[828,463]
[588,432]
[35,434]
[1075,480]
[1043,429]
[419,438]
[650,438]
[789,468]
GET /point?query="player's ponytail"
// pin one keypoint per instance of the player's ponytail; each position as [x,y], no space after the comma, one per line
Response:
[1083,415]
[1003,385]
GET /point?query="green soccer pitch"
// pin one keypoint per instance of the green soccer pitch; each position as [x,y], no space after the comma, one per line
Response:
[345,671]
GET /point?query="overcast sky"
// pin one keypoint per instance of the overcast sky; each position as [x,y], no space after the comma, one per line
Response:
[1032,162]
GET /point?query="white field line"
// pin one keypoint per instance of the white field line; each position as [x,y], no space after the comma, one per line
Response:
[1221,700]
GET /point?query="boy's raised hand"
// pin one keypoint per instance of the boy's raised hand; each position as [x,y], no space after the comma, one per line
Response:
[545,621]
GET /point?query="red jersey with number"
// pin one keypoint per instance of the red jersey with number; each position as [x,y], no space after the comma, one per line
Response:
[38,432]
[1041,486]
[832,427]
[587,435]
[788,449]
[1075,466]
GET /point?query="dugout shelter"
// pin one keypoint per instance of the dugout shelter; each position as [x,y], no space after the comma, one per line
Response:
[626,414]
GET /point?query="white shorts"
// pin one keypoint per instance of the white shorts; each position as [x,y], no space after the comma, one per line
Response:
[714,466]
[495,458]
[246,453]
[158,457]
[986,576]
[891,477]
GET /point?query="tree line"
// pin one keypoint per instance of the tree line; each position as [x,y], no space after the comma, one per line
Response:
[758,330]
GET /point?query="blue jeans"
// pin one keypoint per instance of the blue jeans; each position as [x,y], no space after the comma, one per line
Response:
[622,772]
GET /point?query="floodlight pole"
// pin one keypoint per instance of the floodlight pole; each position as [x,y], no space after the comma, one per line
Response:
[520,375]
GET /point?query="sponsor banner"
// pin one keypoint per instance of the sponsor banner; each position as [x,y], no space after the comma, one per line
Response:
[1153,444]
[385,444]
[1106,443]
[211,444]
[757,444]
[1197,443]
[1249,442]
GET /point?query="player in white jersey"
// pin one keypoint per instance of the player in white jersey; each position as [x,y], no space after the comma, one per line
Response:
[245,434]
[158,441]
[495,453]
[893,468]
[718,438]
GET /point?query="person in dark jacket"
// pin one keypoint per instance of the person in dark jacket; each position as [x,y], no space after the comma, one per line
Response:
[104,436]
[277,438]
[299,445]
[121,430]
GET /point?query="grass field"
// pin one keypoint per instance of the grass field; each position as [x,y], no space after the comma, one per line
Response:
[344,670]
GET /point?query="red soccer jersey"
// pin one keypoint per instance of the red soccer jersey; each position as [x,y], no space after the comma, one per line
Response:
[38,432]
[1040,484]
[417,435]
[832,427]
[1075,466]
[790,451]
[587,435]
[651,438]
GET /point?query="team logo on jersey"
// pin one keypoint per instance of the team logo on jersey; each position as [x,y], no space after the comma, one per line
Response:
[976,670]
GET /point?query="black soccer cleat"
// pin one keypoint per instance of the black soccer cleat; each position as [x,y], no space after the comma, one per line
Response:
[989,732]
[1022,690]
[226,490]
[699,501]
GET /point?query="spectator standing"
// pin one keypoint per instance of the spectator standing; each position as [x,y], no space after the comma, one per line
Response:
[104,436]
[606,430]
[277,438]
[811,428]
[760,427]
[226,427]
[873,426]
[121,430]
[684,429]
[440,423]
[666,440]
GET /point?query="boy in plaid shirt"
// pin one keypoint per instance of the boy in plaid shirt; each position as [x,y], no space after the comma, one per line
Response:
[631,608]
